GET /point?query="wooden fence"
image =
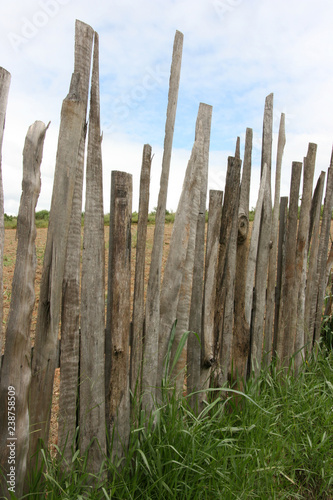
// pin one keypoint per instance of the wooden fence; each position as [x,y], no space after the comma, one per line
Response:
[250,293]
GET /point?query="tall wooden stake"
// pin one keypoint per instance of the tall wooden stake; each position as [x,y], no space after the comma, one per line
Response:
[280,266]
[70,312]
[195,321]
[323,248]
[118,315]
[269,319]
[253,250]
[241,338]
[150,362]
[138,300]
[92,345]
[224,275]
[47,328]
[5,78]
[16,368]
[302,252]
[209,297]
[229,284]
[287,317]
[264,242]
[312,277]
[182,240]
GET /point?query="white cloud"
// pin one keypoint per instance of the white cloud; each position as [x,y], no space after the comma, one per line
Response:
[235,53]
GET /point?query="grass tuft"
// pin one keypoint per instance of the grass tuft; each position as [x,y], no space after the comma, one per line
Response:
[275,443]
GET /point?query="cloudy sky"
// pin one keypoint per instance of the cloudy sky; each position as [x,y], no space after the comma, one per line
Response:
[235,53]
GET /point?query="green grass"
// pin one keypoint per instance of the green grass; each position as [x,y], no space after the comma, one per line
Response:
[275,444]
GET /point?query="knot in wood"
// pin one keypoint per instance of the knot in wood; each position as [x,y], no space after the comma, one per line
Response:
[117,350]
[243,228]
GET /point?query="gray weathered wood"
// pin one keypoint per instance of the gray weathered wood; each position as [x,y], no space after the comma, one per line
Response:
[267,136]
[288,306]
[229,283]
[329,263]
[92,345]
[323,248]
[16,368]
[139,284]
[264,242]
[209,297]
[237,150]
[302,251]
[184,304]
[195,321]
[182,239]
[47,328]
[252,258]
[257,327]
[117,361]
[150,362]
[279,271]
[312,276]
[5,78]
[225,275]
[271,283]
[241,338]
[70,311]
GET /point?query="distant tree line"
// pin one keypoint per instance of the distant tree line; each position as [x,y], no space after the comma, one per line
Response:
[42,218]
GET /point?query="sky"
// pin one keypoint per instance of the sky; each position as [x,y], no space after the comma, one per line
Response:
[235,53]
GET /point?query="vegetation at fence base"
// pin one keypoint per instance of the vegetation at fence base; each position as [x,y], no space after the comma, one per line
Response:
[275,442]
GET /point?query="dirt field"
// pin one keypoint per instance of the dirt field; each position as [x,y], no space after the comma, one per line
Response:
[10,257]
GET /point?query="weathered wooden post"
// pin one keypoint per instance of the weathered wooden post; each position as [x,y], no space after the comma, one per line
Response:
[241,338]
[209,298]
[195,313]
[117,361]
[323,248]
[253,250]
[16,369]
[180,260]
[138,300]
[229,283]
[264,242]
[47,328]
[92,345]
[150,361]
[226,269]
[312,277]
[70,312]
[237,149]
[287,317]
[271,283]
[4,90]
[280,266]
[302,252]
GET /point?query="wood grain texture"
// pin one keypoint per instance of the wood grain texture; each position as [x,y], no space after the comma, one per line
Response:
[16,367]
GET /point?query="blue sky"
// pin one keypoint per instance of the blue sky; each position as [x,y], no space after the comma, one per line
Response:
[235,53]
